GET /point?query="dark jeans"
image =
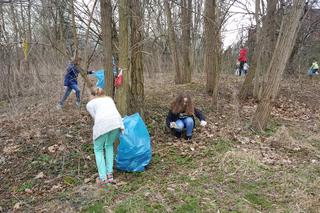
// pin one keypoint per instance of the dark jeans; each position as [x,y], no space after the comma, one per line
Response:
[241,67]
[185,123]
[68,91]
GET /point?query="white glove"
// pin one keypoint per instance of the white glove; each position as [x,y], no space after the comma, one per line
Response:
[173,125]
[203,123]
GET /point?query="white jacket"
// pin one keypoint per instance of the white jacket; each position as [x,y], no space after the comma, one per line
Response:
[105,114]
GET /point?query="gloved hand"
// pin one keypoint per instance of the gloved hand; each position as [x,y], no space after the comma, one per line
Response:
[173,125]
[203,123]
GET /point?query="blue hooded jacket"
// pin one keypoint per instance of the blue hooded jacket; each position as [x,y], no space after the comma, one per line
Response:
[71,75]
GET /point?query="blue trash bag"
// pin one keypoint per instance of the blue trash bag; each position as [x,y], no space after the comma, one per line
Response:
[99,74]
[134,150]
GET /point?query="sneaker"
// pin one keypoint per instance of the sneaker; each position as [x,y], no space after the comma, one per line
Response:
[178,134]
[188,138]
[110,179]
[59,106]
[101,183]
[78,104]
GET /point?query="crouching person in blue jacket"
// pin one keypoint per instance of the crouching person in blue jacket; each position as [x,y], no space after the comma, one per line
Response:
[181,116]
[70,82]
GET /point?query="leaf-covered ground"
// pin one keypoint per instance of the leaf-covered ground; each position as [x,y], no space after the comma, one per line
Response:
[47,161]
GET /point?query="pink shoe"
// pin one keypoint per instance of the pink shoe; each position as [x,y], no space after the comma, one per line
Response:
[110,179]
[101,183]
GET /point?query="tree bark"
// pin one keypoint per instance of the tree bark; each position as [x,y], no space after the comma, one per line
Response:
[285,42]
[268,41]
[74,30]
[173,44]
[211,59]
[186,16]
[137,79]
[106,25]
[16,79]
[123,92]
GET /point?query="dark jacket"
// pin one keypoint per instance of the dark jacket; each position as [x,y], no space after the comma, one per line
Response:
[173,117]
[71,75]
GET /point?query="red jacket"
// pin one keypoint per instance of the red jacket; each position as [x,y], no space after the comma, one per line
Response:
[243,55]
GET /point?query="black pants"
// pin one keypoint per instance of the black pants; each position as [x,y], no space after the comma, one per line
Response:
[241,67]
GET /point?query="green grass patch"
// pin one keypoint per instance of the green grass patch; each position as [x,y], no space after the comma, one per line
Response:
[258,199]
[44,158]
[24,186]
[272,127]
[222,145]
[191,204]
[138,204]
[68,180]
[94,208]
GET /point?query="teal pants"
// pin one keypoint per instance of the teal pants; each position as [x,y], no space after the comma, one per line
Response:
[103,150]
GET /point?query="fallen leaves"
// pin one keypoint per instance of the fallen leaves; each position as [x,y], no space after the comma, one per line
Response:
[39,175]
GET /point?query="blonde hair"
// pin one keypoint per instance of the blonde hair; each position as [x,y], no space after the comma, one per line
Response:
[97,92]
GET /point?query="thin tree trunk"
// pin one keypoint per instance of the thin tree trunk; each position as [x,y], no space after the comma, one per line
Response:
[16,79]
[74,30]
[186,40]
[268,39]
[123,92]
[285,42]
[210,45]
[137,80]
[173,44]
[106,19]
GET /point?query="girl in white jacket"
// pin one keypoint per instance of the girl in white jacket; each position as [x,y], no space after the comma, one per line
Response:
[107,125]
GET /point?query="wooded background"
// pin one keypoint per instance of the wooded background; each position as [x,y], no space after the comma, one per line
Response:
[148,37]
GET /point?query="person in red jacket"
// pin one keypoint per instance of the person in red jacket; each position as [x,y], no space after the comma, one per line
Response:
[242,59]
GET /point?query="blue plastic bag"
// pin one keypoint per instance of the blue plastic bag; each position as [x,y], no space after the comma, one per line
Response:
[134,150]
[99,74]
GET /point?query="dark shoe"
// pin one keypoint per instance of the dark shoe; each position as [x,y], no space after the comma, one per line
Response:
[178,134]
[188,138]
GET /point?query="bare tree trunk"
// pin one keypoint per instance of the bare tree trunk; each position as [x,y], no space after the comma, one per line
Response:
[74,30]
[265,41]
[195,34]
[268,39]
[16,31]
[247,86]
[137,80]
[123,92]
[186,39]
[173,44]
[106,19]
[285,42]
[210,59]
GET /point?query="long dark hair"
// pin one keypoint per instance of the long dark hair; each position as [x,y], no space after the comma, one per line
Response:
[177,105]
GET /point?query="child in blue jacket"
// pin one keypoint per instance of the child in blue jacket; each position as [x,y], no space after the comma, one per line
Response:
[70,81]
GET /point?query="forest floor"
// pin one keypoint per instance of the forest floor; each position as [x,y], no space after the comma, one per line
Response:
[47,162]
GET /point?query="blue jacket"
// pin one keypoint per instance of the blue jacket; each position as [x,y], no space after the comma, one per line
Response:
[71,75]
[173,117]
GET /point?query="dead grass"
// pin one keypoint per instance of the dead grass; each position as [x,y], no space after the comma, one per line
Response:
[226,168]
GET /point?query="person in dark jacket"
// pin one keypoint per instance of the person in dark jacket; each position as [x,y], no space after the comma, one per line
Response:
[70,81]
[181,116]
